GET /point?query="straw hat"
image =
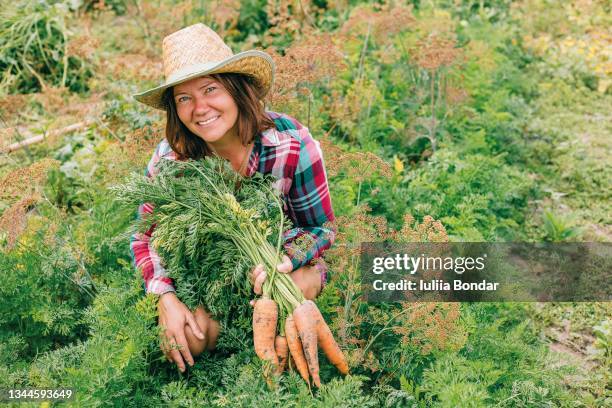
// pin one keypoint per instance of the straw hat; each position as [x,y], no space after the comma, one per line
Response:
[197,50]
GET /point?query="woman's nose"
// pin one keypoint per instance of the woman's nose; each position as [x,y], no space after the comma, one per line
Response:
[201,107]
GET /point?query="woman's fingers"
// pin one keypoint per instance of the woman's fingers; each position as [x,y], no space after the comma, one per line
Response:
[183,347]
[308,279]
[285,266]
[163,345]
[191,322]
[175,355]
[176,349]
[256,272]
[259,280]
[258,276]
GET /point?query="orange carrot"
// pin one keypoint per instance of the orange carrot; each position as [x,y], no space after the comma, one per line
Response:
[304,318]
[265,316]
[295,347]
[328,343]
[282,351]
[290,362]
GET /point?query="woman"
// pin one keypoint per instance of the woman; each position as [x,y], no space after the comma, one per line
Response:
[213,102]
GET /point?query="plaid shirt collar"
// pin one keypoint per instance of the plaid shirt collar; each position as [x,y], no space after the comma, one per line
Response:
[270,137]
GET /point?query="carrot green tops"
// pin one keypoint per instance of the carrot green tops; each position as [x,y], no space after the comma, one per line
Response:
[290,154]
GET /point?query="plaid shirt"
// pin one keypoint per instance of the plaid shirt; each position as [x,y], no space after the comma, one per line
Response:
[289,153]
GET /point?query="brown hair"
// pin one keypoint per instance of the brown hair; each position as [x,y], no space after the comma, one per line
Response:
[252,118]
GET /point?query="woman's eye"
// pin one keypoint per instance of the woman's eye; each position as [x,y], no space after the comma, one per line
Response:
[182,99]
[210,89]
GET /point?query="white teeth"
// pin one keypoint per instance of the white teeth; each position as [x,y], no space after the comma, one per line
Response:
[206,122]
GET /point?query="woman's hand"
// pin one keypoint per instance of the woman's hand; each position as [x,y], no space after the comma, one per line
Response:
[174,317]
[307,278]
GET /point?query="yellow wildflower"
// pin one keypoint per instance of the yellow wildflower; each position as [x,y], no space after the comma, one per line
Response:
[398,165]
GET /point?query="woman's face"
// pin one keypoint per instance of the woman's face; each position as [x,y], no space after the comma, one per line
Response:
[206,108]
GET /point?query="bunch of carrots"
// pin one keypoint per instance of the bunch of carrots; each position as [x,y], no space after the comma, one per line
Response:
[304,329]
[198,202]
[301,327]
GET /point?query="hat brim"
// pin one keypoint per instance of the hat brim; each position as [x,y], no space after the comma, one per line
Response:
[257,64]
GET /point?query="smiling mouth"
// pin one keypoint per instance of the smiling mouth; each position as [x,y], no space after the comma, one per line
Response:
[208,121]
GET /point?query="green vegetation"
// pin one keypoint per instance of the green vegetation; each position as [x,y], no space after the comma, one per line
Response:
[209,229]
[35,49]
[460,121]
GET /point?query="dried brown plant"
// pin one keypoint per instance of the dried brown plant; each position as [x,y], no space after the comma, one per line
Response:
[159,19]
[139,144]
[319,57]
[79,110]
[430,326]
[357,166]
[455,95]
[308,61]
[358,357]
[11,105]
[62,103]
[435,51]
[14,219]
[129,66]
[288,17]
[225,15]
[53,96]
[433,54]
[83,46]
[356,228]
[381,22]
[57,102]
[279,17]
[23,182]
[430,230]
[361,226]
[425,326]
[386,54]
[285,84]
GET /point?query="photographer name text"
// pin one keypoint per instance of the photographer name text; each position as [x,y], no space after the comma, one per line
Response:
[435,285]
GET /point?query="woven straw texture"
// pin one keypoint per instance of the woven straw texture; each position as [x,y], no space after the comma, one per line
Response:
[196,51]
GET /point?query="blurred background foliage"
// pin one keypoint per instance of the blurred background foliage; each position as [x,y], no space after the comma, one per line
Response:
[450,120]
